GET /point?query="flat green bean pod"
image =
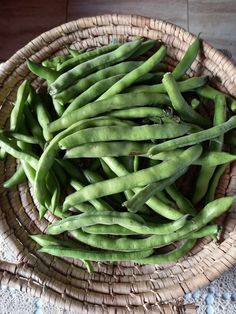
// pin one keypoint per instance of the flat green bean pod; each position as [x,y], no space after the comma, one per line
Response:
[17,178]
[154,203]
[98,63]
[83,84]
[108,149]
[89,255]
[134,75]
[120,101]
[130,221]
[85,56]
[195,138]
[171,257]
[186,112]
[18,109]
[183,86]
[124,133]
[136,179]
[206,215]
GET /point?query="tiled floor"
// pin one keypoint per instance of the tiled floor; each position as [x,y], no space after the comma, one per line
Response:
[21,21]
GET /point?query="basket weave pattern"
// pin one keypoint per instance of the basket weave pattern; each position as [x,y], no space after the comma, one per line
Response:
[112,288]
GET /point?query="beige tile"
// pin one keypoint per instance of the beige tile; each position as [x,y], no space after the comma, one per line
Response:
[217,22]
[172,11]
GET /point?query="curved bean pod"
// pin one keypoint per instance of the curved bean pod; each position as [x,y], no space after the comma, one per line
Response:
[134,75]
[57,250]
[130,221]
[17,178]
[136,179]
[194,138]
[108,149]
[207,214]
[47,158]
[43,72]
[98,63]
[122,133]
[85,56]
[183,86]
[83,84]
[186,112]
[18,109]
[121,101]
[187,60]
[171,257]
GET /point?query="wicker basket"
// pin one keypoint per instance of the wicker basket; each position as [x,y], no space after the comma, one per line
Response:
[112,288]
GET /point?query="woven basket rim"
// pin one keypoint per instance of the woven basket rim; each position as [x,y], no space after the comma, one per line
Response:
[13,272]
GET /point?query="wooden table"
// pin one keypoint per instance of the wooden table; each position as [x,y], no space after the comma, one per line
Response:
[21,21]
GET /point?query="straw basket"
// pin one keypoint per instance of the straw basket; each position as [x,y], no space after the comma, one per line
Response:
[112,288]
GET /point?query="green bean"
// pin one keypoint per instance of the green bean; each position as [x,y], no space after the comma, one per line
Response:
[74,52]
[183,86]
[139,112]
[170,257]
[57,106]
[11,148]
[108,149]
[92,93]
[17,178]
[145,46]
[45,240]
[132,133]
[2,154]
[121,101]
[57,250]
[130,221]
[154,203]
[85,207]
[22,137]
[54,62]
[18,109]
[47,158]
[144,195]
[186,112]
[195,103]
[161,195]
[211,158]
[192,139]
[83,84]
[42,115]
[111,230]
[42,71]
[210,93]
[187,60]
[214,182]
[136,163]
[34,126]
[216,144]
[85,56]
[211,230]
[123,169]
[98,204]
[98,63]
[184,204]
[134,75]
[206,215]
[136,179]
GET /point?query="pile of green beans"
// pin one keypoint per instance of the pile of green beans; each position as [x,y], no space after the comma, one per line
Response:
[107,146]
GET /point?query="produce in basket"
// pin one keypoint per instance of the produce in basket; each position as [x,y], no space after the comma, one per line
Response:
[106,147]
